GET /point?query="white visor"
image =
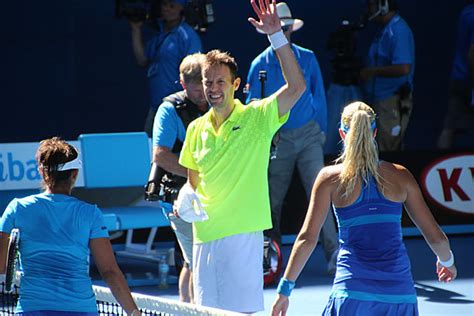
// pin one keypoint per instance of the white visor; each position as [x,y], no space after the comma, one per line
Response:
[73,164]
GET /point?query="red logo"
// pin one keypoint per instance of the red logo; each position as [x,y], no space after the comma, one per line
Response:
[449,182]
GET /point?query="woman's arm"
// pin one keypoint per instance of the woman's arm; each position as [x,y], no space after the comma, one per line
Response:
[104,258]
[308,236]
[421,215]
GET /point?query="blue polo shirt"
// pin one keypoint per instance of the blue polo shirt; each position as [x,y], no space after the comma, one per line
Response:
[311,105]
[168,126]
[465,38]
[55,231]
[393,45]
[165,51]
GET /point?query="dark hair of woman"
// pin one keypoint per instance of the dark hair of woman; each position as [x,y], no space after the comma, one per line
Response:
[51,154]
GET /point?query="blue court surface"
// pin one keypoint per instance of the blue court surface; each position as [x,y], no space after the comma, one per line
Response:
[314,285]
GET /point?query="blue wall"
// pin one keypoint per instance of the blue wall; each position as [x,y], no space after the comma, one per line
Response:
[68,67]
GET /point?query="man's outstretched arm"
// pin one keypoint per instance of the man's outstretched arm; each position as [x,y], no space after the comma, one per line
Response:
[269,23]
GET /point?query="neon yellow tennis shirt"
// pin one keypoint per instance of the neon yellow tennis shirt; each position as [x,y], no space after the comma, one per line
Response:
[233,165]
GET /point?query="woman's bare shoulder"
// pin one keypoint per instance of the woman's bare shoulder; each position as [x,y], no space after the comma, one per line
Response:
[332,170]
[393,171]
[330,173]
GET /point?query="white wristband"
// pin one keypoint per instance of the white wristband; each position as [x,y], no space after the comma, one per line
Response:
[278,39]
[449,262]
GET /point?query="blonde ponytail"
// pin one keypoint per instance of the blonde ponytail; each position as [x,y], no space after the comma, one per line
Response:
[360,155]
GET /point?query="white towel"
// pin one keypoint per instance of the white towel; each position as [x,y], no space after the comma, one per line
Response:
[188,206]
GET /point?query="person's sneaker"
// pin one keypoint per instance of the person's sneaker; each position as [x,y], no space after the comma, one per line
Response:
[332,264]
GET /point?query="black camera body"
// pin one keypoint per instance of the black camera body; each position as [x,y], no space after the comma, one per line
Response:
[346,63]
[197,13]
[162,185]
[135,10]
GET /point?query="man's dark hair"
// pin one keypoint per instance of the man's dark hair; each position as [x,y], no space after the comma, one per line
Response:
[216,58]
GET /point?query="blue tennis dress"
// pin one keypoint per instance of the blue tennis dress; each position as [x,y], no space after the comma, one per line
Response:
[373,274]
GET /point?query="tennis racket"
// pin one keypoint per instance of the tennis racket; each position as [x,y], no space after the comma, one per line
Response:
[272,261]
[12,259]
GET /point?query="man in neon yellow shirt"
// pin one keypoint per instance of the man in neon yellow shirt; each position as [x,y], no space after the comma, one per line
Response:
[226,152]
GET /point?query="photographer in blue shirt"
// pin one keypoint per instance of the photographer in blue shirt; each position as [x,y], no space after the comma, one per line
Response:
[169,131]
[388,76]
[163,53]
[302,137]
[461,94]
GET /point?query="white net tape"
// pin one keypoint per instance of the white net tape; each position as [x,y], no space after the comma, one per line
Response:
[107,304]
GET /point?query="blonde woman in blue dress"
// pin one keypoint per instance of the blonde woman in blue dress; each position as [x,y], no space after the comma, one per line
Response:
[373,269]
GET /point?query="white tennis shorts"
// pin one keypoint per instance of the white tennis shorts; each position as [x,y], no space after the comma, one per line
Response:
[228,273]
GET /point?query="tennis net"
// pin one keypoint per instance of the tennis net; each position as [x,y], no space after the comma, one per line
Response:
[107,305]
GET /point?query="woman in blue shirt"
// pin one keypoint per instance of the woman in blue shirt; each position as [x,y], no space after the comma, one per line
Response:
[373,274]
[58,233]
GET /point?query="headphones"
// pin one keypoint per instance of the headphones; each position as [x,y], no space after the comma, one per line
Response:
[383,7]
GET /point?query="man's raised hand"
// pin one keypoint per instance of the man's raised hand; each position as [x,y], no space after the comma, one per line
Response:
[269,22]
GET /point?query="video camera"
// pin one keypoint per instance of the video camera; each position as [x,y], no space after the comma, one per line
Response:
[162,185]
[197,13]
[346,63]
